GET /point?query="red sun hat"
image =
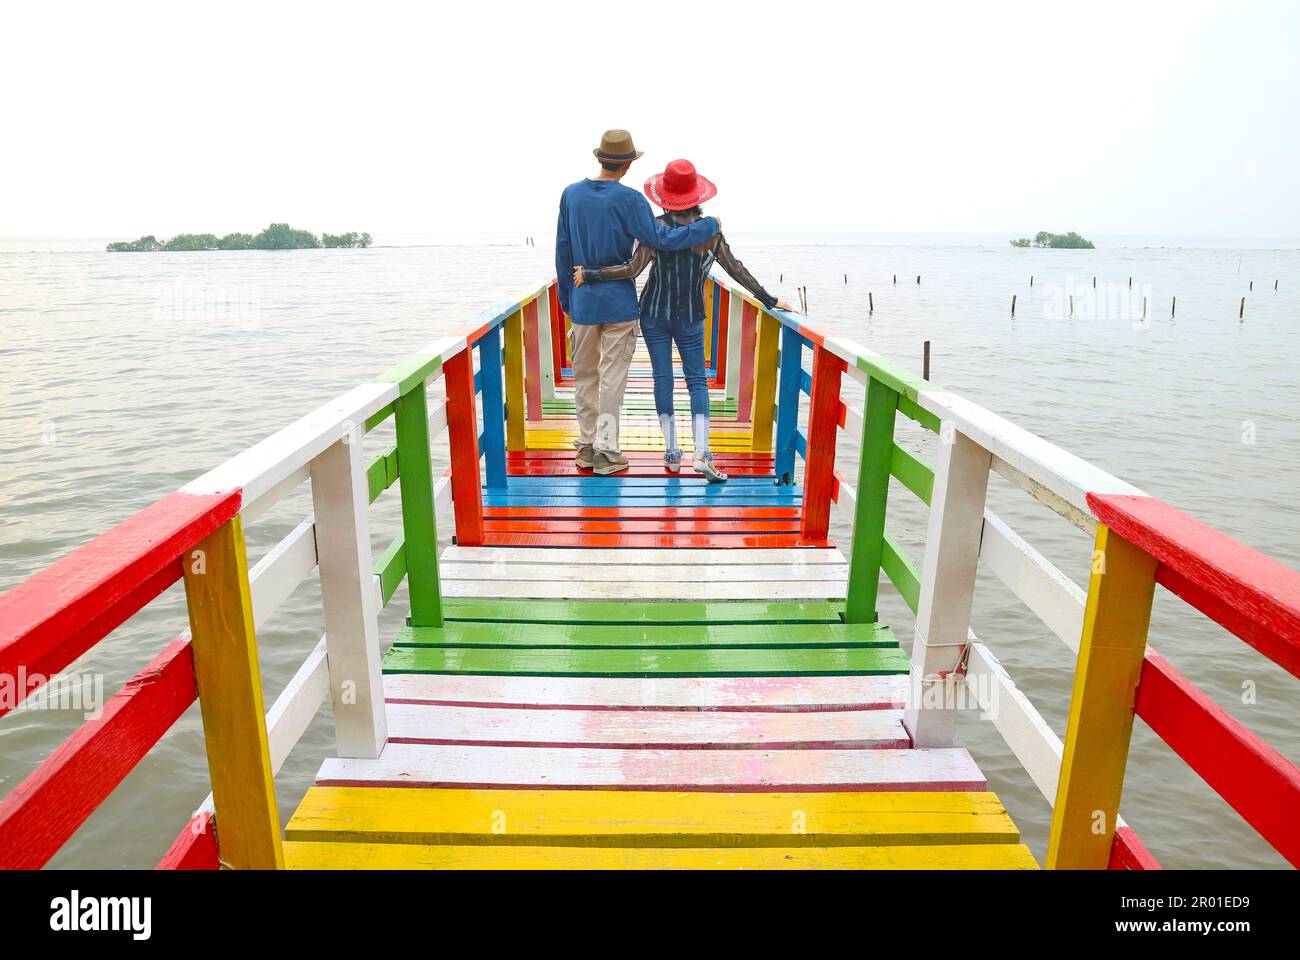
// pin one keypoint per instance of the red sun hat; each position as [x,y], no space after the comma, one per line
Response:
[679,187]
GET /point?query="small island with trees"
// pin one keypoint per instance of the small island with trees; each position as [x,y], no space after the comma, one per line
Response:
[278,236]
[1056,241]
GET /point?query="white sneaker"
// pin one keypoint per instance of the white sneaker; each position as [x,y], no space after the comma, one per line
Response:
[673,461]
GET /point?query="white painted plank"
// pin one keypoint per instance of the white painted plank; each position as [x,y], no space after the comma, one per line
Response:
[442,495]
[632,590]
[297,705]
[264,465]
[268,499]
[1056,599]
[273,578]
[646,573]
[424,765]
[340,497]
[645,729]
[952,547]
[544,347]
[675,693]
[437,417]
[639,556]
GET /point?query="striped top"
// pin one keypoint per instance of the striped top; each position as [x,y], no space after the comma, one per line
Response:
[675,289]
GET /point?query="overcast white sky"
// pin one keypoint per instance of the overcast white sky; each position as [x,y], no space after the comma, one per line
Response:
[123,118]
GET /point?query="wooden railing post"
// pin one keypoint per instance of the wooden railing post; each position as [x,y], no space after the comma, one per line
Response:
[878,416]
[735,331]
[765,381]
[722,337]
[952,549]
[1115,622]
[230,699]
[787,403]
[710,305]
[419,517]
[494,408]
[462,437]
[559,339]
[532,374]
[340,500]
[823,427]
[514,374]
[545,351]
[748,356]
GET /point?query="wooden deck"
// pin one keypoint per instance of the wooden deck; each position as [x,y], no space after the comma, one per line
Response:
[647,670]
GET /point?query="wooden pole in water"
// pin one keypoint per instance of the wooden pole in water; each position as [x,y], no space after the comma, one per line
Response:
[1274,284]
[1130,283]
[846,279]
[1013,304]
[1144,308]
[1071,305]
[1173,306]
[895,279]
[1031,279]
[925,361]
[1094,283]
[918,279]
[1241,314]
[871,303]
[1252,286]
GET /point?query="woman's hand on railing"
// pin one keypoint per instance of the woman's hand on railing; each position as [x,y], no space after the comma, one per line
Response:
[782,305]
[577,276]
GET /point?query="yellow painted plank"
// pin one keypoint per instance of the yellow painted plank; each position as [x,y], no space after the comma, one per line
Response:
[400,856]
[649,818]
[764,408]
[230,700]
[1115,622]
[514,371]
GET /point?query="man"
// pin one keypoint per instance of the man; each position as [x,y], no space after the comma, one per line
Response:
[599,219]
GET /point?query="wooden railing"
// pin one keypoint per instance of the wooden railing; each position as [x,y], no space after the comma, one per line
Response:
[1138,541]
[198,534]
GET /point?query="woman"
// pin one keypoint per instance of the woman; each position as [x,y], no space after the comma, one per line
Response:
[672,307]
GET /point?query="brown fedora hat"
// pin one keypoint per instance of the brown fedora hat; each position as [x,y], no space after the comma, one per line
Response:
[616,146]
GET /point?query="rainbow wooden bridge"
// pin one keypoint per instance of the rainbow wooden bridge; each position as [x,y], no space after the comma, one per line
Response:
[645,670]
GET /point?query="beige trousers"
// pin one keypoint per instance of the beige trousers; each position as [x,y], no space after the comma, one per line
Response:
[601,353]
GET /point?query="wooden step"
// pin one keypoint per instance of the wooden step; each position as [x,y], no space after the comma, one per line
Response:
[780,694]
[607,662]
[424,765]
[397,856]
[595,611]
[641,730]
[659,636]
[635,818]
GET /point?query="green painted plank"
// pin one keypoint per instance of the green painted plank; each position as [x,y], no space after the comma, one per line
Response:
[895,377]
[913,473]
[378,417]
[419,524]
[851,661]
[391,568]
[664,612]
[411,372]
[878,416]
[381,473]
[656,636]
[913,411]
[902,572]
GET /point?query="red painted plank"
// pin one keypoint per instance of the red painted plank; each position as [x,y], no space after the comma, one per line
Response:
[1127,852]
[1257,781]
[195,847]
[559,342]
[462,430]
[638,527]
[1249,593]
[43,811]
[58,614]
[643,513]
[819,464]
[685,540]
[748,349]
[532,364]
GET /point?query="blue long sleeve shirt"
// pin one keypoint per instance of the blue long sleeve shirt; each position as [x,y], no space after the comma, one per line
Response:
[598,221]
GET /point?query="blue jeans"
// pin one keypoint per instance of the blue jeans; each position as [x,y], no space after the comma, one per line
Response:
[659,339]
